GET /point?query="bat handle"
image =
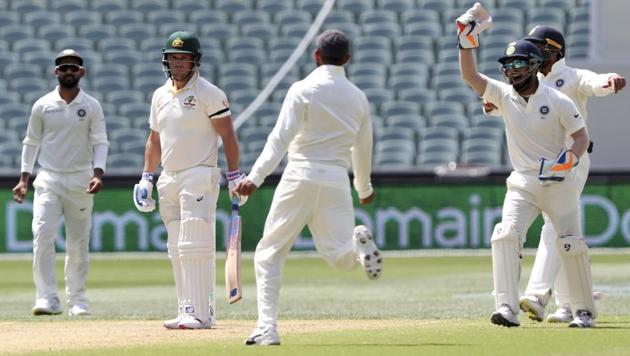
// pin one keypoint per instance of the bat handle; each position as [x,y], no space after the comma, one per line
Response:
[235,202]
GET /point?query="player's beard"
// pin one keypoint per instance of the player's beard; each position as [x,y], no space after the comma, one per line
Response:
[525,83]
[68,81]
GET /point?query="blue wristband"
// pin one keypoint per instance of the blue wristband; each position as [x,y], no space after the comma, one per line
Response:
[147,176]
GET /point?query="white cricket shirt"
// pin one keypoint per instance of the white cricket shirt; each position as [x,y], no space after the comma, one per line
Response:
[535,128]
[324,122]
[577,84]
[66,132]
[182,119]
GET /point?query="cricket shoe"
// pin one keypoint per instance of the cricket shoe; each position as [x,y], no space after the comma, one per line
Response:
[46,306]
[173,323]
[504,316]
[191,322]
[562,315]
[531,305]
[264,335]
[79,309]
[583,319]
[367,253]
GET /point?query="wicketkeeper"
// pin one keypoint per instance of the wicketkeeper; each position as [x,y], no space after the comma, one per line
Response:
[539,120]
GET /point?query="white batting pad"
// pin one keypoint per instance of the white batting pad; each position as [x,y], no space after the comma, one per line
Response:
[196,251]
[577,264]
[172,230]
[506,265]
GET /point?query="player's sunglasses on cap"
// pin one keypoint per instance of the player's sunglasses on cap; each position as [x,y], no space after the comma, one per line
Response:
[516,64]
[68,68]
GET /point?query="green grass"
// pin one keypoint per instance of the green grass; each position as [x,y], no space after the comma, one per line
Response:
[447,298]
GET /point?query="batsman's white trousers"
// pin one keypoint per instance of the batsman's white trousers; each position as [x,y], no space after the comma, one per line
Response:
[317,196]
[525,199]
[548,271]
[60,195]
[187,194]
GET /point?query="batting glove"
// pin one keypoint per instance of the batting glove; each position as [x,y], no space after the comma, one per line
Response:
[558,169]
[142,193]
[233,178]
[470,24]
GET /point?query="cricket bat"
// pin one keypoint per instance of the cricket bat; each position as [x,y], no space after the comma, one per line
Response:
[233,256]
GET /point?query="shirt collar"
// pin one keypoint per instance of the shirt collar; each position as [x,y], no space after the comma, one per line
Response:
[77,100]
[190,84]
[558,67]
[532,97]
[331,70]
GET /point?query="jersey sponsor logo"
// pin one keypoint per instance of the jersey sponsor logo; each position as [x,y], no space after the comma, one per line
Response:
[544,110]
[190,102]
[200,198]
[559,82]
[576,116]
[52,111]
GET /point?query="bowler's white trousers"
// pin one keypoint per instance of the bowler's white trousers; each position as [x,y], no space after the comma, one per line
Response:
[60,195]
[548,263]
[319,197]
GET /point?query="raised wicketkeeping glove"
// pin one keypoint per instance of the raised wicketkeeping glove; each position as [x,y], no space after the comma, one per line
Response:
[558,169]
[233,178]
[142,193]
[475,20]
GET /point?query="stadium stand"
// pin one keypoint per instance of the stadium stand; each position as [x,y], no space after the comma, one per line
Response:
[404,58]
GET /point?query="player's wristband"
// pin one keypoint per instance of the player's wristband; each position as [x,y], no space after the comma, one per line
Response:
[233,174]
[147,176]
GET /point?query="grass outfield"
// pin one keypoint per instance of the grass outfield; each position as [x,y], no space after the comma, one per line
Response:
[422,305]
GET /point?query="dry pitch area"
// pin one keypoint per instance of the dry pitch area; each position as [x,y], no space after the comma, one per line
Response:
[28,336]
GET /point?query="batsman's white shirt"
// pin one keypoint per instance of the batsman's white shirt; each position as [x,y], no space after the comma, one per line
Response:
[66,132]
[324,121]
[535,128]
[182,118]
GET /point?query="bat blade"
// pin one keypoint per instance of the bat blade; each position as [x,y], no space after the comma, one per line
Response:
[233,258]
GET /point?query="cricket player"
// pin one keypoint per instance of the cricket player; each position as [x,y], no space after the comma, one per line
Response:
[188,116]
[325,126]
[69,127]
[578,85]
[539,120]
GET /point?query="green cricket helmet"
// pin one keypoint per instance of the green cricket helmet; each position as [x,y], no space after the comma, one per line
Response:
[181,42]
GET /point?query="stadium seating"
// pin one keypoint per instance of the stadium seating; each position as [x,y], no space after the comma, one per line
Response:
[404,57]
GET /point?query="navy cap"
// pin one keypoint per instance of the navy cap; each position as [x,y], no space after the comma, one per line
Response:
[521,49]
[549,35]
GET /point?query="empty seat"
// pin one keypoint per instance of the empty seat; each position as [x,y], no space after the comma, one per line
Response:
[67,6]
[430,160]
[132,110]
[123,17]
[356,6]
[419,95]
[121,97]
[105,6]
[519,4]
[339,17]
[273,6]
[164,16]
[149,5]
[124,162]
[9,18]
[392,108]
[38,19]
[395,5]
[292,17]
[26,6]
[312,6]
[20,71]
[391,30]
[97,32]
[14,110]
[136,31]
[220,31]
[13,33]
[233,6]
[190,6]
[438,5]
[208,17]
[407,121]
[262,31]
[82,17]
[435,108]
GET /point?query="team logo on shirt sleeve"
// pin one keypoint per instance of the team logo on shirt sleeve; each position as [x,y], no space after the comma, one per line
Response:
[190,102]
[544,110]
[559,82]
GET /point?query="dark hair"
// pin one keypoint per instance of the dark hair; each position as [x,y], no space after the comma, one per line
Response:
[333,47]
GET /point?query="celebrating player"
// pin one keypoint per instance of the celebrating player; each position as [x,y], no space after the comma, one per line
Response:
[578,85]
[69,127]
[188,115]
[325,125]
[538,120]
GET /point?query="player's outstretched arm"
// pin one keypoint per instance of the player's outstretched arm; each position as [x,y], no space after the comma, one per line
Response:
[469,25]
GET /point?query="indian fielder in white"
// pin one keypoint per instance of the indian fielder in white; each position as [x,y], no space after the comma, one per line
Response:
[538,120]
[578,85]
[325,125]
[188,116]
[69,127]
